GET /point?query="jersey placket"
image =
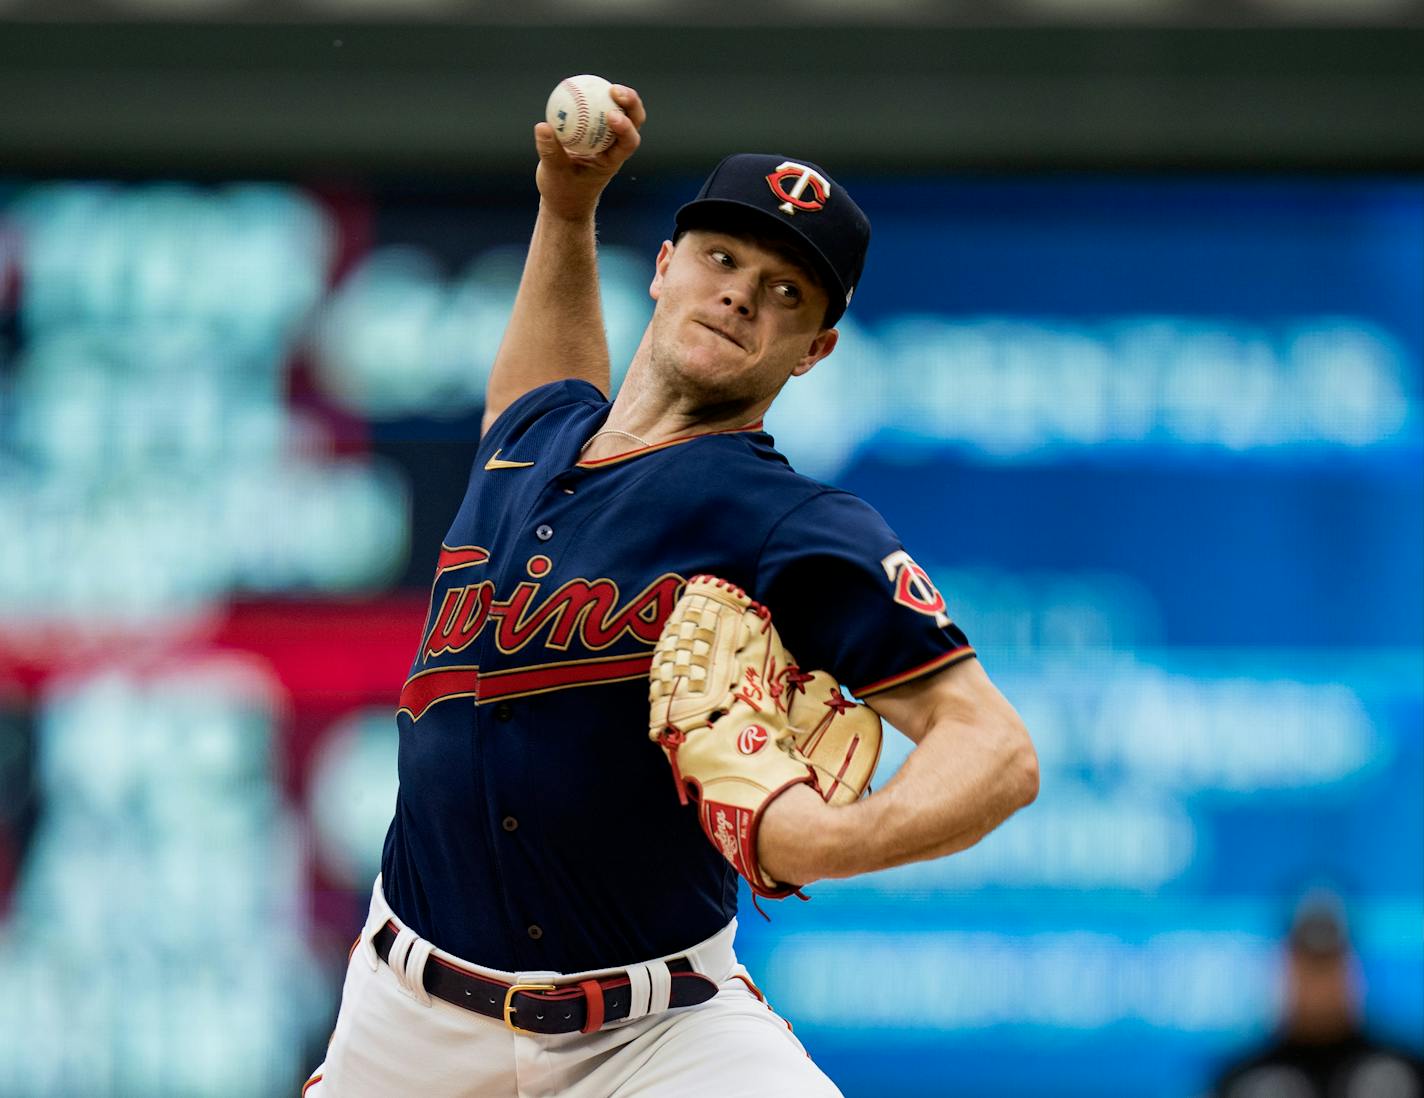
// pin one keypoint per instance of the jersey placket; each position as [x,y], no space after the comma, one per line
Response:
[532,555]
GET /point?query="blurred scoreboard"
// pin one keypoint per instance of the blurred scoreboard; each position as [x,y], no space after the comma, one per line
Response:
[1157,440]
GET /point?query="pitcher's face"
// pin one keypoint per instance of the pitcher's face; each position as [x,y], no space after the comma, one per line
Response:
[735,316]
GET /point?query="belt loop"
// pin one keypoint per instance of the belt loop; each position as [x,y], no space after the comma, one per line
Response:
[367,944]
[379,914]
[639,984]
[660,986]
[414,966]
[714,958]
[405,938]
[593,995]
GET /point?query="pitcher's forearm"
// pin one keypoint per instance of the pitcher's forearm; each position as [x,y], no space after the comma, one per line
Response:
[555,330]
[956,787]
[941,803]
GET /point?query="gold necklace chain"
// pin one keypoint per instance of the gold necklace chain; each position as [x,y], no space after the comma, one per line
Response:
[614,431]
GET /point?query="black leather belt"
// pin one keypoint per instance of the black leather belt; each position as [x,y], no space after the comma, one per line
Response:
[570,1007]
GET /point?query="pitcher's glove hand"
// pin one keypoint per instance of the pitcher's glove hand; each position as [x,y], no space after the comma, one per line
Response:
[741,723]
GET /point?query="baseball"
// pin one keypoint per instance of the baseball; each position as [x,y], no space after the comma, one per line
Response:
[578,111]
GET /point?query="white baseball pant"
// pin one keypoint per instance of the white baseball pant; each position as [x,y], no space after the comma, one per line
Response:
[393,1038]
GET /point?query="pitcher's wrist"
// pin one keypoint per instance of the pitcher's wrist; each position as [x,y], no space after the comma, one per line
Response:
[797,838]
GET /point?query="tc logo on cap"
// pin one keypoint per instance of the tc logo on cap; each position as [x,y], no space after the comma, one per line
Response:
[795,198]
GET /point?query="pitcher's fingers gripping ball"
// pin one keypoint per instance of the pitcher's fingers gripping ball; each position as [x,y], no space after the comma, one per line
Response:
[740,723]
[578,110]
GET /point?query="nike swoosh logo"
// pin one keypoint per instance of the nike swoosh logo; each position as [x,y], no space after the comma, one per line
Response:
[496,463]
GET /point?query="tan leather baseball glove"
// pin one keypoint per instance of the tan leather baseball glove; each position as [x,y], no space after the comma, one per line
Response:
[741,723]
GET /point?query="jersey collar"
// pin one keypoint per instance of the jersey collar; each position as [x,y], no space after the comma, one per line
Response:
[628,455]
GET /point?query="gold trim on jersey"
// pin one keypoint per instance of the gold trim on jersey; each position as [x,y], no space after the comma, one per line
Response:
[951,657]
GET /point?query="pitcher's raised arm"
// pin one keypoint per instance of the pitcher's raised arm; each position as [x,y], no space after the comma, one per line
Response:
[555,330]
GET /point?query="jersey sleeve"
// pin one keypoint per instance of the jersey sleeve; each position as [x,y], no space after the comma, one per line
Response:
[847,598]
[534,405]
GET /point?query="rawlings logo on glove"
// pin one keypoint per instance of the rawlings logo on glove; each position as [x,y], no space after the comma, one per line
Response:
[740,723]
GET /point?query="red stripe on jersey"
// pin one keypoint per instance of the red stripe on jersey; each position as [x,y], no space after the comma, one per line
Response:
[556,676]
[459,557]
[425,689]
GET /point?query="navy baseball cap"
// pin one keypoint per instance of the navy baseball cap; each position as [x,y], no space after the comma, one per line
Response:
[794,199]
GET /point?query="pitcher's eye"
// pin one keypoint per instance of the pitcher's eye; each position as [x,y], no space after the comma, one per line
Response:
[789,290]
[719,256]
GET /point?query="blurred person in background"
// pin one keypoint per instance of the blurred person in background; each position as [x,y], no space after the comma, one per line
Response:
[1320,1049]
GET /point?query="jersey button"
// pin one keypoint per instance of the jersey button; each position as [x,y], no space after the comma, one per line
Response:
[544,532]
[510,823]
[503,711]
[536,932]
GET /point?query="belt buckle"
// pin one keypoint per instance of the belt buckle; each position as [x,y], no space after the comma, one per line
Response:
[509,1000]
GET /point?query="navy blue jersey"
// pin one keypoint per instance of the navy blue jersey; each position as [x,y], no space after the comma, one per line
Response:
[537,827]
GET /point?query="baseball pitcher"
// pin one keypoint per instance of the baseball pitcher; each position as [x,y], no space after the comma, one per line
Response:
[636,677]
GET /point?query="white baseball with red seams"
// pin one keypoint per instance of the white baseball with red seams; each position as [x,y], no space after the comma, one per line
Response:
[578,110]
